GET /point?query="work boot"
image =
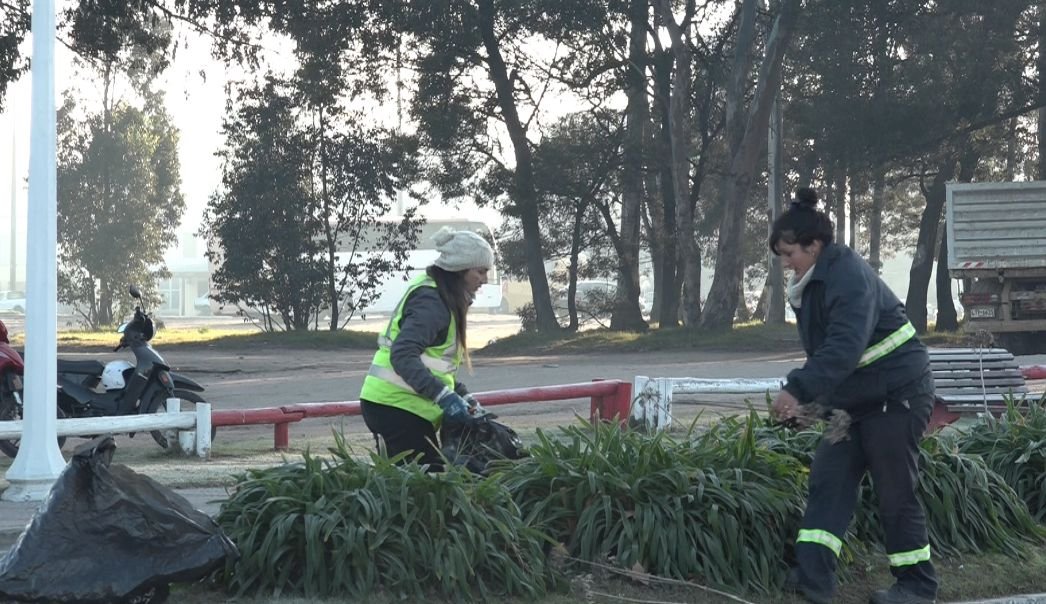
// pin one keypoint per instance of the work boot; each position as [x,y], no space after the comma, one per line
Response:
[897,594]
[792,585]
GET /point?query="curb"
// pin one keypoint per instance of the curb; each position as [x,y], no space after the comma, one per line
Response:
[1015,599]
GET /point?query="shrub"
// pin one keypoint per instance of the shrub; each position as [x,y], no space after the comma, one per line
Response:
[342,527]
[706,508]
[970,508]
[1014,446]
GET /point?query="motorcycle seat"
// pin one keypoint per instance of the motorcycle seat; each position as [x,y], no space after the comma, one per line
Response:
[81,367]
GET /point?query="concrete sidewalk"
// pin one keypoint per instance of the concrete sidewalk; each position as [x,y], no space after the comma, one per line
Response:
[15,516]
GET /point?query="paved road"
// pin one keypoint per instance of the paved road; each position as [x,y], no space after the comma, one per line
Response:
[260,377]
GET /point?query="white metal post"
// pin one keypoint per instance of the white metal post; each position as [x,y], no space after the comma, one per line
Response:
[203,430]
[653,402]
[186,441]
[39,460]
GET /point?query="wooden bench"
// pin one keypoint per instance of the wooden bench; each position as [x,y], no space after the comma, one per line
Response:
[972,380]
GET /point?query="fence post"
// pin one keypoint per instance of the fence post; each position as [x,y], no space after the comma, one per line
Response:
[281,436]
[203,430]
[653,402]
[622,406]
[186,438]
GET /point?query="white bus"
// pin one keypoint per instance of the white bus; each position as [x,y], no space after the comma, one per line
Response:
[489,297]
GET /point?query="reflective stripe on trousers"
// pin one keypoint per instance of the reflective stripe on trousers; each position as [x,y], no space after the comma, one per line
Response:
[909,558]
[820,537]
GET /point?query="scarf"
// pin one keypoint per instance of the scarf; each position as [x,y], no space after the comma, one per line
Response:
[795,288]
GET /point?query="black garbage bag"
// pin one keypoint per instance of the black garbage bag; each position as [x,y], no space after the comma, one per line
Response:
[476,444]
[108,534]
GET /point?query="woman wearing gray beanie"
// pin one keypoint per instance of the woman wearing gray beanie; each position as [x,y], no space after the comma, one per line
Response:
[412,385]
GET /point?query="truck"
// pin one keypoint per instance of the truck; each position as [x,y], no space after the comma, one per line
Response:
[997,248]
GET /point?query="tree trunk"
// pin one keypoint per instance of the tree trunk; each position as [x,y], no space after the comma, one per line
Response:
[922,265]
[666,282]
[627,315]
[947,318]
[922,262]
[525,195]
[839,197]
[852,217]
[875,219]
[1040,66]
[773,310]
[679,134]
[333,293]
[575,261]
[657,255]
[747,138]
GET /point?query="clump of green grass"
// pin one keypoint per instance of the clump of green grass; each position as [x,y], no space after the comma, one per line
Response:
[1014,446]
[719,506]
[702,508]
[347,528]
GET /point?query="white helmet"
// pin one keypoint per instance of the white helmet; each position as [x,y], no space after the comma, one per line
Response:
[112,377]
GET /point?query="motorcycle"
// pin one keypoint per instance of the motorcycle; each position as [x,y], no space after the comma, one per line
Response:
[12,367]
[91,389]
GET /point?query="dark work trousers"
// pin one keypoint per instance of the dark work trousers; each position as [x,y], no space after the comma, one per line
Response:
[887,445]
[403,431]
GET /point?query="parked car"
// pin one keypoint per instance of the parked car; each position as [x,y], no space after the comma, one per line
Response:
[595,299]
[12,301]
[202,304]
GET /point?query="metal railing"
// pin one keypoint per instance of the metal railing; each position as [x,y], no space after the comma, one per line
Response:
[610,400]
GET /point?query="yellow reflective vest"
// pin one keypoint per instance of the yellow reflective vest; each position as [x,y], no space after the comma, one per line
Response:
[384,386]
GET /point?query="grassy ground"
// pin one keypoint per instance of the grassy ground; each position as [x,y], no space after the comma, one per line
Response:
[219,338]
[745,337]
[972,578]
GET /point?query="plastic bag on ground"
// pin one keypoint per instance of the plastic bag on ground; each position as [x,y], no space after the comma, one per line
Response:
[108,534]
[476,444]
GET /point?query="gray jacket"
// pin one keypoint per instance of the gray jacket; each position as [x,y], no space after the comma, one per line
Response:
[425,322]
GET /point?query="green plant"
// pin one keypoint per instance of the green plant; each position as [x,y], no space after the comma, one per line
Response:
[708,508]
[1014,446]
[969,507]
[342,527]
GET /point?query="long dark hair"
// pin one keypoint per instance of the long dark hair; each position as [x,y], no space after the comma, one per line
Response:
[802,222]
[451,288]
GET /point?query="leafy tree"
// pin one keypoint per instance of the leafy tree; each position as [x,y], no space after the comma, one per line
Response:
[576,165]
[474,72]
[14,25]
[296,229]
[746,131]
[118,205]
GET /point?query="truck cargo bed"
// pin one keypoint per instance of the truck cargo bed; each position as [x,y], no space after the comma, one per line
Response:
[996,226]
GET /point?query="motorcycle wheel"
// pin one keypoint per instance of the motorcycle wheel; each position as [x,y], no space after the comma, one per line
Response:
[9,411]
[163,438]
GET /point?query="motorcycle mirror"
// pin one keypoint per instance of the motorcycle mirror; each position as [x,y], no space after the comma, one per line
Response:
[135,292]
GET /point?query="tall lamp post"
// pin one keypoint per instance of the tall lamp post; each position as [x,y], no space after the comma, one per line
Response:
[39,459]
[14,200]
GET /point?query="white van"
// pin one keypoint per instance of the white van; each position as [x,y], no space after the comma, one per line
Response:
[391,290]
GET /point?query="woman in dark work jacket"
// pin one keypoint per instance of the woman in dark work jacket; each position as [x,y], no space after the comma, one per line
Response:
[863,358]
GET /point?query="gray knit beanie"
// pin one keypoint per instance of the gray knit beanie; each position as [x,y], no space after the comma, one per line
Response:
[461,250]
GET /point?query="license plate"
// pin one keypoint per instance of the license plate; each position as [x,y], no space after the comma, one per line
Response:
[982,312]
